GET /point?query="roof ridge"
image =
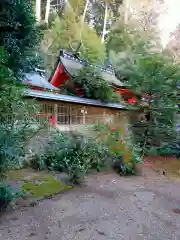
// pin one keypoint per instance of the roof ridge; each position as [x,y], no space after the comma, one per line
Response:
[72,56]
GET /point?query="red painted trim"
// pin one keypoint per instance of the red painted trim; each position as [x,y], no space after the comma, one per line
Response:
[60,77]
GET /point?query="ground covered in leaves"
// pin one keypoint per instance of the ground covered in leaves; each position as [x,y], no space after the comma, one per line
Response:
[105,207]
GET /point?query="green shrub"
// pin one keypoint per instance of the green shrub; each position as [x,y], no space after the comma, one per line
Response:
[165,150]
[176,149]
[169,150]
[153,152]
[136,154]
[128,169]
[72,153]
[136,158]
[117,150]
[7,195]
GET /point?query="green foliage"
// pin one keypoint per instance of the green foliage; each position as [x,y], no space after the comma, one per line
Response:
[128,169]
[18,38]
[137,158]
[67,32]
[92,49]
[19,34]
[5,73]
[151,152]
[119,38]
[73,153]
[117,152]
[7,195]
[154,73]
[96,14]
[15,122]
[164,150]
[16,128]
[93,86]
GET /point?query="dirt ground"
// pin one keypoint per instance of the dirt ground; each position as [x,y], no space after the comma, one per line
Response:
[106,207]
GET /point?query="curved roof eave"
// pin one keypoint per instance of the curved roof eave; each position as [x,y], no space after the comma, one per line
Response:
[34,79]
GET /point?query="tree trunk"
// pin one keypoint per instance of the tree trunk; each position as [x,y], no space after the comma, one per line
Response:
[126,11]
[84,13]
[83,18]
[38,10]
[105,22]
[47,11]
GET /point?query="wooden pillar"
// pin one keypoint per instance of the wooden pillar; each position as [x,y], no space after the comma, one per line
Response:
[56,111]
[84,112]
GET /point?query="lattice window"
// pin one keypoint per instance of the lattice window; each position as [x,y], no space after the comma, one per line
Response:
[63,114]
[68,114]
[76,115]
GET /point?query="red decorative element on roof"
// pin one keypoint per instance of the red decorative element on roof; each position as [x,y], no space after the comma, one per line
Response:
[124,91]
[131,101]
[60,76]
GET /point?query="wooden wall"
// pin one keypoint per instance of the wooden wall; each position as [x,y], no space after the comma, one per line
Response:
[71,113]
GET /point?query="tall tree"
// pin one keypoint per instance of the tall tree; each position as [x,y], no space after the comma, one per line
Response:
[102,15]
[38,10]
[18,32]
[156,74]
[174,45]
[46,19]
[143,16]
[69,30]
[18,37]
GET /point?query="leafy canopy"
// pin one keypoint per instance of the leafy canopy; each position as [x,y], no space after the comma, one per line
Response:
[150,72]
[93,86]
[67,32]
[18,38]
[18,33]
[147,70]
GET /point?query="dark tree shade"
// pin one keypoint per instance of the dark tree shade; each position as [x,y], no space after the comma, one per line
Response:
[18,32]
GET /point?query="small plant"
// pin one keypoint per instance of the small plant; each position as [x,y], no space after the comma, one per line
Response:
[123,160]
[37,162]
[128,169]
[7,195]
[136,155]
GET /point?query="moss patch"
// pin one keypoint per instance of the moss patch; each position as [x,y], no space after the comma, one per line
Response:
[43,186]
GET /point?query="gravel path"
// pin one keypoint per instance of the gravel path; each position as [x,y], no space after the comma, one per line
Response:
[107,207]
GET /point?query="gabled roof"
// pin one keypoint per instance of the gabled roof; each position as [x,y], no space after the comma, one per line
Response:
[73,64]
